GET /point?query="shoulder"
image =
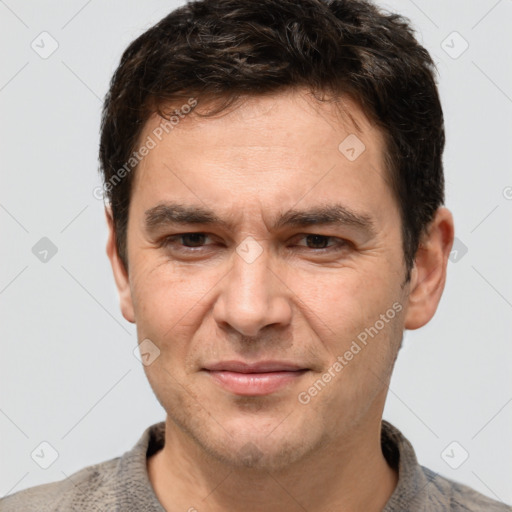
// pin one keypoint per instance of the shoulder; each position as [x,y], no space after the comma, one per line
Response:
[423,490]
[117,484]
[452,496]
[89,489]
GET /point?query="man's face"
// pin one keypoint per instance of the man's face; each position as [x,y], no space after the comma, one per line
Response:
[252,295]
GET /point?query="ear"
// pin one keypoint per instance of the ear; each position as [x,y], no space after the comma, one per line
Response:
[428,275]
[120,274]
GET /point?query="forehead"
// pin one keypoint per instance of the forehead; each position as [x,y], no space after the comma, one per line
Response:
[291,114]
[275,147]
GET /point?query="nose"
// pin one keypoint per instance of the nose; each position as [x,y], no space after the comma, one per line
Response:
[253,296]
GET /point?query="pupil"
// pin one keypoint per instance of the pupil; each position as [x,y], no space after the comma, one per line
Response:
[318,239]
[197,238]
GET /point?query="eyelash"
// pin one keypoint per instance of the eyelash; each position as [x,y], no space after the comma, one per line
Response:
[171,240]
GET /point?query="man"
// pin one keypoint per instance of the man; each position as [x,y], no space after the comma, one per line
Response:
[275,186]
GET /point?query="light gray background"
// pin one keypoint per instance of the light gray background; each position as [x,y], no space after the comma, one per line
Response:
[68,373]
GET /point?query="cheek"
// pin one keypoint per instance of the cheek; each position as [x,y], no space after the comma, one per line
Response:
[169,302]
[346,300]
[358,320]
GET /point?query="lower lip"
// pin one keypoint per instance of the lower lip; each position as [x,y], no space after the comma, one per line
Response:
[255,384]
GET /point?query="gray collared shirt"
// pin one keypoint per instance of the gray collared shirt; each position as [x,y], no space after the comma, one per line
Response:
[122,484]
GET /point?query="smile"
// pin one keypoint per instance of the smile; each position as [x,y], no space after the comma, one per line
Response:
[254,379]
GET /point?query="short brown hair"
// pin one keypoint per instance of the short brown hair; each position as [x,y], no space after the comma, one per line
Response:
[230,49]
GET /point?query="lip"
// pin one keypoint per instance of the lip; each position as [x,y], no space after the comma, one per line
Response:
[254,379]
[259,367]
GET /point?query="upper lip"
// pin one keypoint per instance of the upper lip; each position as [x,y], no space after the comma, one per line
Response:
[258,367]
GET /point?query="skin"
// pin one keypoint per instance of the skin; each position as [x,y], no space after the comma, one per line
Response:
[297,302]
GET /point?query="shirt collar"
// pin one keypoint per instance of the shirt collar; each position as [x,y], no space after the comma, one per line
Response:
[134,489]
[411,490]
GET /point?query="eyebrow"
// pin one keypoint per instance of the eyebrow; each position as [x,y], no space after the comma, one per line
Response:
[171,213]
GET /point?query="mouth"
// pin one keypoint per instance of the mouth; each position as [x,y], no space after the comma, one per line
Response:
[255,379]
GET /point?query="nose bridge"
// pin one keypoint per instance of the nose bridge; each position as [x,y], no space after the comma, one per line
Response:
[251,299]
[251,279]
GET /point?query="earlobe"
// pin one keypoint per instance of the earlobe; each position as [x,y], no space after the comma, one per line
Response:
[428,277]
[121,276]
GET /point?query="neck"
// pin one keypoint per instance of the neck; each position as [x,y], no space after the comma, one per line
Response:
[347,474]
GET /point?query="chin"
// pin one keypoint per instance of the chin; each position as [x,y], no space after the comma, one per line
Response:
[249,445]
[263,435]
[260,454]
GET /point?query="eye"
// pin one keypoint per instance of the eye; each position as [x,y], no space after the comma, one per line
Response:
[196,241]
[319,242]
[189,241]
